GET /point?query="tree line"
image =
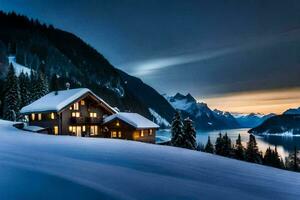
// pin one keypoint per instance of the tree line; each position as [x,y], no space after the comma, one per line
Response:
[21,90]
[183,135]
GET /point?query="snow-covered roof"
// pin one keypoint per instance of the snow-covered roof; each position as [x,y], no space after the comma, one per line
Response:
[33,128]
[56,102]
[134,119]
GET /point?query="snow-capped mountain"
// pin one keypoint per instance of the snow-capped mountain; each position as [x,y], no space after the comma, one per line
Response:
[203,117]
[251,120]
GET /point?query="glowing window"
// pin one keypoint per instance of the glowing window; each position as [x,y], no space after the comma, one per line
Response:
[52,116]
[93,114]
[150,132]
[94,130]
[39,116]
[70,129]
[32,116]
[75,114]
[76,106]
[119,134]
[114,134]
[83,128]
[117,124]
[82,102]
[142,133]
[56,130]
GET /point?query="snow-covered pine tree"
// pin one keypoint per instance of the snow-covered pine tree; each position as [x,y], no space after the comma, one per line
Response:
[252,153]
[293,160]
[209,147]
[239,151]
[12,95]
[189,133]
[24,83]
[40,85]
[176,131]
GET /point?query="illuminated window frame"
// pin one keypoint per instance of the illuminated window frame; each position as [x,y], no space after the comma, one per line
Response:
[52,116]
[76,114]
[55,130]
[39,116]
[142,133]
[93,115]
[76,106]
[113,134]
[150,132]
[82,102]
[32,116]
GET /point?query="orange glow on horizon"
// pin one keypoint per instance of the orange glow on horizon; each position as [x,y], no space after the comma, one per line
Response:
[268,101]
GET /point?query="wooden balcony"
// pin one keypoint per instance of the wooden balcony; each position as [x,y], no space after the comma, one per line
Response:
[86,120]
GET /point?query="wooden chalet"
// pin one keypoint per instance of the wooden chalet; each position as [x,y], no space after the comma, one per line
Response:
[80,112]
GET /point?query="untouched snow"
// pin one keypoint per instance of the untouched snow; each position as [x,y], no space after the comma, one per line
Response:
[18,68]
[134,119]
[159,119]
[36,166]
[52,102]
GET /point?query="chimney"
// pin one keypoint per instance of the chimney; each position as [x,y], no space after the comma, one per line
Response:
[68,85]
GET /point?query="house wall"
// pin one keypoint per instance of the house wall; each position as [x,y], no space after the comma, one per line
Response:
[89,106]
[128,132]
[45,122]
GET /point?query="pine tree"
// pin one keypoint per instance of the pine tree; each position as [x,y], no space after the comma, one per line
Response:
[176,131]
[209,147]
[268,157]
[54,83]
[219,145]
[12,95]
[293,161]
[227,149]
[252,153]
[239,151]
[40,85]
[189,133]
[24,83]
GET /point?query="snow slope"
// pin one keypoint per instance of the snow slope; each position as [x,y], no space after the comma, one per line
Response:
[36,166]
[18,68]
[159,119]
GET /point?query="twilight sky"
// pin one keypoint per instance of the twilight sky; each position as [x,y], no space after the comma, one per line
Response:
[241,56]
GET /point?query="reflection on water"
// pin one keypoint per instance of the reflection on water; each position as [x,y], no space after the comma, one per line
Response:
[284,144]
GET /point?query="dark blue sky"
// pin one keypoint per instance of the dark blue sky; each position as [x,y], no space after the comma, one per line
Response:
[209,48]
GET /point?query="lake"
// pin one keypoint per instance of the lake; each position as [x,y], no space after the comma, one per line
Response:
[285,144]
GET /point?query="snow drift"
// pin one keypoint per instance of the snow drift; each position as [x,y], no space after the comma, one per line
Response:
[36,166]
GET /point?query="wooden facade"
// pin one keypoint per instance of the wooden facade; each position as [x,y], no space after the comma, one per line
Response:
[84,117]
[118,128]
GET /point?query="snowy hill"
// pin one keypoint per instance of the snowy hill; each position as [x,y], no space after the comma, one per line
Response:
[203,117]
[36,166]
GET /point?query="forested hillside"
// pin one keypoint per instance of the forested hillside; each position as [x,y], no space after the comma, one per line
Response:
[57,53]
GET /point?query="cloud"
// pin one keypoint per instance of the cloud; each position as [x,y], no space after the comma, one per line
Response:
[266,101]
[147,67]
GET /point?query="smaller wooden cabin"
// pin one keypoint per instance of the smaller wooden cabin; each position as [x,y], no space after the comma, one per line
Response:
[130,126]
